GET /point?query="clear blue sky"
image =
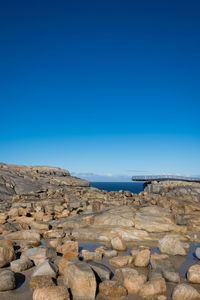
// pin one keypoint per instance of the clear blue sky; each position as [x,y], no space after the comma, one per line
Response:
[103,87]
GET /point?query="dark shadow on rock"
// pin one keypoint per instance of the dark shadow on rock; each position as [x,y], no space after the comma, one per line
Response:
[18,254]
[112,275]
[28,215]
[70,294]
[16,247]
[80,249]
[19,278]
[98,280]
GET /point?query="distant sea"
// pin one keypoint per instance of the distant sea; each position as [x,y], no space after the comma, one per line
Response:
[134,187]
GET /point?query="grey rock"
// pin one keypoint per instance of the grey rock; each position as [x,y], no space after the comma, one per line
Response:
[171,245]
[180,220]
[48,267]
[164,267]
[197,252]
[102,271]
[39,254]
[171,276]
[31,181]
[155,274]
[20,265]
[7,280]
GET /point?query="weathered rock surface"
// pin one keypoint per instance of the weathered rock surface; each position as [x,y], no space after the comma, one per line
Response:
[160,263]
[23,235]
[155,219]
[89,255]
[41,281]
[39,254]
[103,272]
[6,252]
[110,217]
[121,273]
[23,180]
[133,281]
[173,188]
[185,291]
[121,261]
[171,245]
[113,289]
[154,287]
[142,258]
[7,280]
[46,268]
[106,233]
[51,293]
[193,274]
[110,253]
[63,262]
[20,265]
[118,244]
[81,280]
[68,246]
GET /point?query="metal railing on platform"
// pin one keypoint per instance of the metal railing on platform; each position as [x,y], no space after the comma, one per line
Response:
[165,177]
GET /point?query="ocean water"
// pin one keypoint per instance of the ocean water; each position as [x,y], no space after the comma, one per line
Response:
[134,187]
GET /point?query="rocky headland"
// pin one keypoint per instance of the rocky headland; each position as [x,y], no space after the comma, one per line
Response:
[62,239]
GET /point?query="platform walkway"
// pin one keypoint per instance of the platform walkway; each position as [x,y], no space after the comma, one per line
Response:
[150,178]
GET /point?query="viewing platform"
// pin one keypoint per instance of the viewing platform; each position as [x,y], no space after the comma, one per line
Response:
[150,178]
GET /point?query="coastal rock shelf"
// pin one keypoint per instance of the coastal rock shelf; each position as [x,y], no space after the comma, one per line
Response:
[145,238]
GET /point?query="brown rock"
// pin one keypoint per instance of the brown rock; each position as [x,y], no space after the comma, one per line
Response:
[118,244]
[81,280]
[155,219]
[68,246]
[142,258]
[7,253]
[171,245]
[112,288]
[62,264]
[134,252]
[51,293]
[184,291]
[193,274]
[122,272]
[89,255]
[24,235]
[154,287]
[55,242]
[13,212]
[110,254]
[70,254]
[41,281]
[121,261]
[133,282]
[39,216]
[101,249]
[64,261]
[47,218]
